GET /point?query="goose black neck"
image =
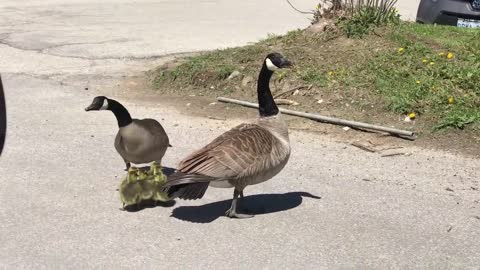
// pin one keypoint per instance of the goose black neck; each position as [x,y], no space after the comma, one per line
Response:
[266,104]
[121,113]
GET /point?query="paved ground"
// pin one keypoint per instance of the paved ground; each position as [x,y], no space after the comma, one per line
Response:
[334,206]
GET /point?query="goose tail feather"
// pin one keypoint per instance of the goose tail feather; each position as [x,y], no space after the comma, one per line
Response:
[186,186]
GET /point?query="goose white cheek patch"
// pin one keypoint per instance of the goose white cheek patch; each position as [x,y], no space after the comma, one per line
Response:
[105,105]
[270,65]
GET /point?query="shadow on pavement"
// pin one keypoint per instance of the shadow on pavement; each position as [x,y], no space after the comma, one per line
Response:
[255,204]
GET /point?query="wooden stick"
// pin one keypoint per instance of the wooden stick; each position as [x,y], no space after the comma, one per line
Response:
[326,119]
[363,147]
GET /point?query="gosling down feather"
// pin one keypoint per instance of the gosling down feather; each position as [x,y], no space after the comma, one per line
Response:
[138,140]
[248,154]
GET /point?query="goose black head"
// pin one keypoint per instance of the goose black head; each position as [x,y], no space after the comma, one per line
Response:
[101,103]
[98,103]
[275,61]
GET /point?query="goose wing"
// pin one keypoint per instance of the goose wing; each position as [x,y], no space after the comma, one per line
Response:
[240,152]
[155,129]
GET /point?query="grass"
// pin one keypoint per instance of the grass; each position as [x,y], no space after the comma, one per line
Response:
[397,69]
[436,72]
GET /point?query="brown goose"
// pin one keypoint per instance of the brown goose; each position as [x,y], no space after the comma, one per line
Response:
[246,155]
[137,140]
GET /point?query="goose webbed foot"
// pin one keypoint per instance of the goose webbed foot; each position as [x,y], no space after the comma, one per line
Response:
[232,212]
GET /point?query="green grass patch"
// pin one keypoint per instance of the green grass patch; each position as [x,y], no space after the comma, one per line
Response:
[433,70]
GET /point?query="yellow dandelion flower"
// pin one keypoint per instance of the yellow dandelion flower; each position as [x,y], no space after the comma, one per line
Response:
[418,82]
[441,54]
[412,115]
[401,50]
[425,60]
[450,55]
[432,63]
[317,6]
[330,73]
[451,100]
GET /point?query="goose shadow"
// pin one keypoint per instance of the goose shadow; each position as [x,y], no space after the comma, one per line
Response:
[254,204]
[151,203]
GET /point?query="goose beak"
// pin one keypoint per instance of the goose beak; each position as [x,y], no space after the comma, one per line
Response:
[89,108]
[287,64]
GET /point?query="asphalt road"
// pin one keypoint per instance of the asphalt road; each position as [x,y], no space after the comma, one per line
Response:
[333,207]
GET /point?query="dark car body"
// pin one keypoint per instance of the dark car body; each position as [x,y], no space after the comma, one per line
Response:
[462,13]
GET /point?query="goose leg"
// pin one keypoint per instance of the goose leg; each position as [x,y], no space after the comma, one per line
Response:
[127,164]
[232,212]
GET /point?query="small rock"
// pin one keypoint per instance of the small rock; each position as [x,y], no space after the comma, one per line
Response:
[296,92]
[213,103]
[212,87]
[86,88]
[407,119]
[188,104]
[234,74]
[320,101]
[247,80]
[346,128]
[319,27]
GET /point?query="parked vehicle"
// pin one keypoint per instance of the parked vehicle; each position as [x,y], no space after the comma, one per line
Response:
[461,13]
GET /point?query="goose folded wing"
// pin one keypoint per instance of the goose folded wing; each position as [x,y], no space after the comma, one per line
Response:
[239,152]
[155,129]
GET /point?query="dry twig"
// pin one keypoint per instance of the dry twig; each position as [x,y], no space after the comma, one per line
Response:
[364,147]
[289,90]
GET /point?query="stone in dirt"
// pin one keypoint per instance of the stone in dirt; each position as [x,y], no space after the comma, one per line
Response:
[247,80]
[234,74]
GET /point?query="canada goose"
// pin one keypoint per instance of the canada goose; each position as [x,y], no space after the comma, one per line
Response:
[137,141]
[245,155]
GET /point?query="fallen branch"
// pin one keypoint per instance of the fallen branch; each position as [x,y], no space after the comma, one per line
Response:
[217,118]
[289,90]
[363,147]
[401,133]
[396,154]
[282,101]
